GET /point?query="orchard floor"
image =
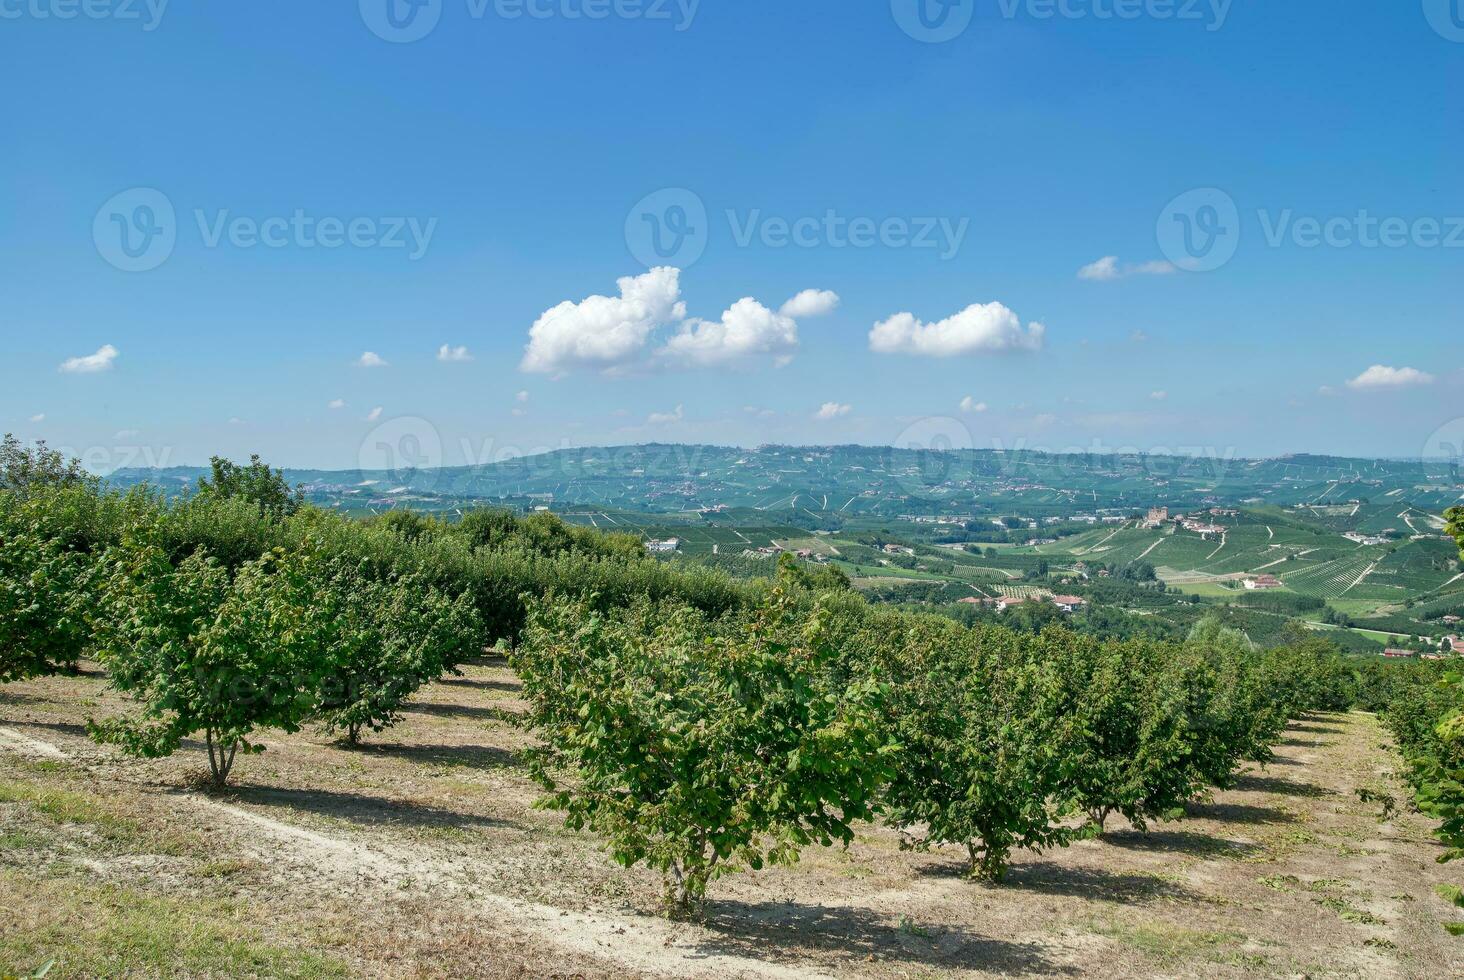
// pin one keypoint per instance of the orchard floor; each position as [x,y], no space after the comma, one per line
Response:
[421,855]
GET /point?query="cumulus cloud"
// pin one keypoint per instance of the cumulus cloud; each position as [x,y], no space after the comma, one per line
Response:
[969,404]
[1158,396]
[1108,269]
[666,418]
[1379,376]
[453,355]
[91,363]
[38,417]
[615,335]
[337,403]
[747,330]
[374,414]
[832,410]
[988,328]
[605,332]
[522,397]
[811,302]
[371,359]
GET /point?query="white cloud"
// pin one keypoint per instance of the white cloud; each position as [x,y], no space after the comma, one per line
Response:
[614,335]
[969,404]
[988,328]
[762,413]
[1158,396]
[522,397]
[374,414]
[666,418]
[1379,376]
[91,363]
[747,330]
[832,410]
[1138,337]
[519,413]
[453,355]
[237,421]
[605,332]
[371,359]
[38,417]
[1108,269]
[811,302]
[337,403]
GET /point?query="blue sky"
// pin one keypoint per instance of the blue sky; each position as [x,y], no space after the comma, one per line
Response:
[495,168]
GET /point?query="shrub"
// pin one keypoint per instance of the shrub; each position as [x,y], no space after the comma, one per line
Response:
[700,748]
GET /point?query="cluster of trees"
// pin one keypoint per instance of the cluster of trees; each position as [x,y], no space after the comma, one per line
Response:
[697,723]
[1423,706]
[701,744]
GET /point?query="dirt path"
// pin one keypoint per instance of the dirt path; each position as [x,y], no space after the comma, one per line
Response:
[422,856]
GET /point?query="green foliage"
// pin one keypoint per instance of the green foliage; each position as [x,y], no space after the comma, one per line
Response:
[44,590]
[383,639]
[257,483]
[204,653]
[22,469]
[699,747]
[978,716]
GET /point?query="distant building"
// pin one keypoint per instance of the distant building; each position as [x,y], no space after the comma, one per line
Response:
[1399,654]
[1157,516]
[663,547]
[1068,603]
[1263,582]
[898,549]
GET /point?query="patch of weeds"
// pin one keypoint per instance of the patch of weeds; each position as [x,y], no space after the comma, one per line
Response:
[1281,883]
[62,806]
[909,928]
[1327,885]
[22,840]
[104,930]
[1348,912]
[224,868]
[1377,942]
[1171,943]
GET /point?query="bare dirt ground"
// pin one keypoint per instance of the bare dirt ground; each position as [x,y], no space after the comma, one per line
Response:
[421,855]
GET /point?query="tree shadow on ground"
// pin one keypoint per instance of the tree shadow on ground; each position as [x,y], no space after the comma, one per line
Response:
[1243,813]
[465,756]
[1304,743]
[1316,729]
[64,727]
[1254,783]
[361,809]
[785,931]
[485,713]
[1186,842]
[1050,878]
[512,687]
